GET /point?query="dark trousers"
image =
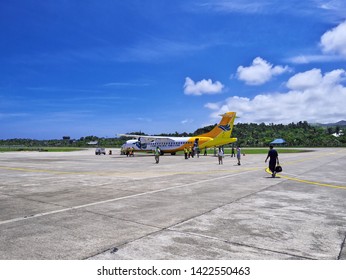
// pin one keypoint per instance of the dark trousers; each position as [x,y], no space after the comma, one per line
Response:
[272,165]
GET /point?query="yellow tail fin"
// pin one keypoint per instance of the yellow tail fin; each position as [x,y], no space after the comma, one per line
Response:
[224,128]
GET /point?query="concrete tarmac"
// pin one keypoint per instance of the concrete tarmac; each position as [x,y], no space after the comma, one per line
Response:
[76,205]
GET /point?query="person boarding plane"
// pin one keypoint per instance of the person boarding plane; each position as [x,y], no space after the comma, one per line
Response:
[220,135]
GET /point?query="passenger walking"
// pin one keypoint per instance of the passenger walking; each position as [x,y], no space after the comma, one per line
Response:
[157,154]
[273,161]
[238,154]
[198,151]
[220,156]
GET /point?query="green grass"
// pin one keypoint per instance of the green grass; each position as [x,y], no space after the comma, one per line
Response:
[265,150]
[38,149]
[249,151]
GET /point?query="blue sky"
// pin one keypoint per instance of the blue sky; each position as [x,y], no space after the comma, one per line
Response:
[102,67]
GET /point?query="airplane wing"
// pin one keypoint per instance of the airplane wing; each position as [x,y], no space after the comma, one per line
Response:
[131,135]
[149,138]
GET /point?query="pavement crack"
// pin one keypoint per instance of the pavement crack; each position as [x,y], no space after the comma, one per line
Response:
[342,248]
[241,244]
[31,199]
[124,220]
[112,248]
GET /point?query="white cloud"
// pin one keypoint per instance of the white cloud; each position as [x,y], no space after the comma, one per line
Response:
[305,59]
[187,121]
[332,44]
[311,97]
[334,40]
[144,119]
[305,80]
[235,6]
[202,87]
[331,8]
[259,72]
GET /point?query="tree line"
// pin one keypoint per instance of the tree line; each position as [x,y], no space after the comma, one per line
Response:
[301,134]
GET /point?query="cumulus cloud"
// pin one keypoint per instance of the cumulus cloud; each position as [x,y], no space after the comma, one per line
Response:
[332,45]
[312,96]
[259,72]
[202,87]
[334,40]
[305,80]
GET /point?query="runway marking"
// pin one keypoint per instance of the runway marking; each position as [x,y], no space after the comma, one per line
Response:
[119,173]
[38,170]
[112,173]
[118,198]
[307,182]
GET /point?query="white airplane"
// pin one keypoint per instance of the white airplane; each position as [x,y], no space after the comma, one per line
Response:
[220,135]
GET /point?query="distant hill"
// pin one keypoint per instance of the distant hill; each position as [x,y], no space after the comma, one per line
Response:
[339,123]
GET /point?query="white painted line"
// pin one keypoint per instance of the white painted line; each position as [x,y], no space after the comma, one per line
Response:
[119,198]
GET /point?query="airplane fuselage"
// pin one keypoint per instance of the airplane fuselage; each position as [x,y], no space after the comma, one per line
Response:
[175,144]
[220,135]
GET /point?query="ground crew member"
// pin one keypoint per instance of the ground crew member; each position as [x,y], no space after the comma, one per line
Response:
[233,155]
[190,152]
[186,152]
